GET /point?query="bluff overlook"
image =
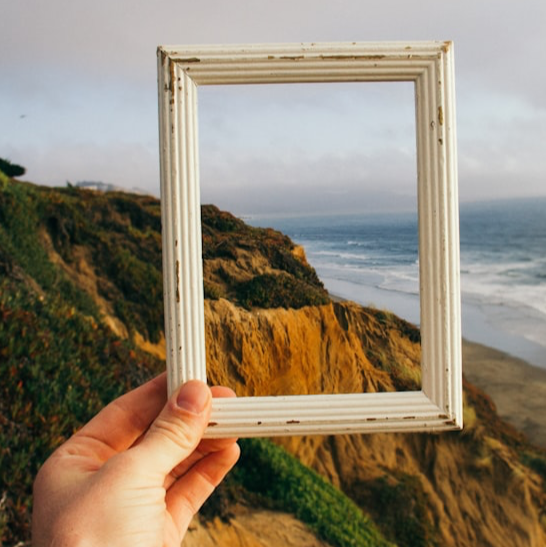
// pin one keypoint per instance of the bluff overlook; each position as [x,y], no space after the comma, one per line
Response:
[81,306]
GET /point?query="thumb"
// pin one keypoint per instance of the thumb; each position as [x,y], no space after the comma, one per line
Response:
[178,429]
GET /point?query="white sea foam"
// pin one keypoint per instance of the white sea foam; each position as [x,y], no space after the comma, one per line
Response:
[405,280]
[341,255]
[503,284]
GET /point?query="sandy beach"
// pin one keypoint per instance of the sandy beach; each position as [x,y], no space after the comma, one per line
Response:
[517,388]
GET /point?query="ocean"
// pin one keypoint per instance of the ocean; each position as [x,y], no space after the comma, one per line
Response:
[372,259]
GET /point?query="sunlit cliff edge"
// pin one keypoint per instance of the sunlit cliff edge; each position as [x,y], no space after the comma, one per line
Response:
[81,307]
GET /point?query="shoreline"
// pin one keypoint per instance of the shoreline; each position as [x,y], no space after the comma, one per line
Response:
[517,388]
[480,323]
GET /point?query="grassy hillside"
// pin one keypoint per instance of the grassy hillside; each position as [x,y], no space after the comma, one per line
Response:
[59,362]
[68,259]
[80,293]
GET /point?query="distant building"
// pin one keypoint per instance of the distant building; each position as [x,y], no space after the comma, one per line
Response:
[106,187]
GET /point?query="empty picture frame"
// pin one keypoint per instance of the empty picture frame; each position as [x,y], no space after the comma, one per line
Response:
[438,406]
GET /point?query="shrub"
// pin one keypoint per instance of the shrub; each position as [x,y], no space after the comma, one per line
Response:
[536,462]
[278,291]
[398,505]
[11,169]
[58,368]
[212,291]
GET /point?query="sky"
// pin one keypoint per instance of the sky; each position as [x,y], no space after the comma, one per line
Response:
[78,99]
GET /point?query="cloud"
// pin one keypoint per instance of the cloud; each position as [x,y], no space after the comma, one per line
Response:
[307,185]
[85,77]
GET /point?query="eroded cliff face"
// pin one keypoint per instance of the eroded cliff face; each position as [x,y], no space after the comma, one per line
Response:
[287,352]
[455,489]
[472,491]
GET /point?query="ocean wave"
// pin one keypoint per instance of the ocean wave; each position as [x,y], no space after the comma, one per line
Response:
[506,282]
[340,254]
[503,264]
[404,282]
[486,291]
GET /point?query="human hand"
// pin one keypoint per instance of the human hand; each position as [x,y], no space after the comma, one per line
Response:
[135,474]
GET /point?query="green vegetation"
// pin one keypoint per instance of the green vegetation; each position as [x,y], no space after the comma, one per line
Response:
[278,291]
[383,328]
[22,249]
[117,238]
[273,277]
[537,462]
[398,505]
[58,368]
[11,169]
[68,256]
[60,363]
[117,235]
[406,329]
[268,470]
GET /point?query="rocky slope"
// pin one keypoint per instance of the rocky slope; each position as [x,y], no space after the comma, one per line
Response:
[81,299]
[453,489]
[315,349]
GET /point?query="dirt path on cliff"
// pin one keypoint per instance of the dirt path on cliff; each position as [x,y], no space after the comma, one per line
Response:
[517,388]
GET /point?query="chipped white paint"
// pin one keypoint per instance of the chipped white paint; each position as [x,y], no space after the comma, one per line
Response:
[430,66]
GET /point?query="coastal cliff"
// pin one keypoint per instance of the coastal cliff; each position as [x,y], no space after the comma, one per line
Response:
[307,351]
[454,489]
[81,310]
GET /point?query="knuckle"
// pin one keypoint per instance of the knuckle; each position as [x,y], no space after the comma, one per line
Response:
[183,433]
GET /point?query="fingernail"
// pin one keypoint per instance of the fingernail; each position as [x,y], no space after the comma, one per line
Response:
[193,396]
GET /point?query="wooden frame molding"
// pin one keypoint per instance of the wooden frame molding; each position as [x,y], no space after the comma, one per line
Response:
[438,406]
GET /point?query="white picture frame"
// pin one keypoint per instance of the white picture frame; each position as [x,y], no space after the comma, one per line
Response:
[181,70]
